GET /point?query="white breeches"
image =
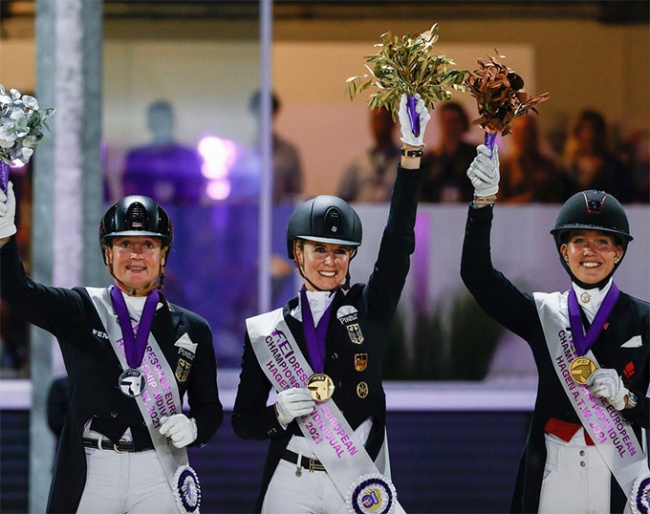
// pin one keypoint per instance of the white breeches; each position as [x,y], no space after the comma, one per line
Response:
[576,478]
[121,483]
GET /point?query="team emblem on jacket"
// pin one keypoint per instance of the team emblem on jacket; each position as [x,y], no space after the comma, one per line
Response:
[348,316]
[182,370]
[360,361]
[354,333]
[362,390]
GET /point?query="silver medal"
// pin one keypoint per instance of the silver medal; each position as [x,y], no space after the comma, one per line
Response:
[132,382]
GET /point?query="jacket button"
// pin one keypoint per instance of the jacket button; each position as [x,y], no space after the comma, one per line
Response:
[339,384]
[335,355]
[113,414]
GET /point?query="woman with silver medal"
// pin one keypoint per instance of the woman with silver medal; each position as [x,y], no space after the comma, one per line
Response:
[584,452]
[131,357]
[338,332]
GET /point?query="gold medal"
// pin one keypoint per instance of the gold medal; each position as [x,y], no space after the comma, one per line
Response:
[581,368]
[321,387]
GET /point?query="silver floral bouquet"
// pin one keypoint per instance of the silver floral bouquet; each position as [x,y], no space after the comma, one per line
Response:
[21,129]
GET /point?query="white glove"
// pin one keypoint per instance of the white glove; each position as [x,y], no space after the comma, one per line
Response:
[483,173]
[7,212]
[179,428]
[293,403]
[606,383]
[405,121]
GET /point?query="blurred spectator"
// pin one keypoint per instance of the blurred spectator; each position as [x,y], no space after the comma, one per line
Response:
[371,175]
[633,151]
[287,167]
[527,175]
[164,169]
[446,165]
[589,162]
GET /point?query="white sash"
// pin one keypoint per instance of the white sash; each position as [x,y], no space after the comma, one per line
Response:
[326,430]
[161,398]
[610,431]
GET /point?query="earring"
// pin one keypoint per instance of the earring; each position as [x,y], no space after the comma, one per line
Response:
[566,259]
[616,261]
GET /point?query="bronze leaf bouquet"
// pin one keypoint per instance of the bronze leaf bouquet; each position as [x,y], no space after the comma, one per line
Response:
[500,96]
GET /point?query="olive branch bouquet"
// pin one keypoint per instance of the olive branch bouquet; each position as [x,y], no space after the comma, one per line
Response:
[407,65]
[21,129]
[500,96]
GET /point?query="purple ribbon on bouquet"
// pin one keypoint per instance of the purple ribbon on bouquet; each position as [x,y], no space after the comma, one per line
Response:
[413,115]
[4,175]
[490,138]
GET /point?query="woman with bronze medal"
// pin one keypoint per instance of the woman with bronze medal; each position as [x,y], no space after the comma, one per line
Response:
[585,451]
[131,357]
[322,353]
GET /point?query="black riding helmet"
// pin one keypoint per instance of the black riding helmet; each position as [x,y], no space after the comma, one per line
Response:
[592,210]
[324,219]
[135,216]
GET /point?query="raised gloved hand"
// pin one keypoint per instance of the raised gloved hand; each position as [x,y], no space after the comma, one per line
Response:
[606,383]
[405,121]
[484,173]
[179,428]
[7,212]
[293,403]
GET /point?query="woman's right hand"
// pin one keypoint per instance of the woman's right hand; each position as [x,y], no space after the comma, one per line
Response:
[293,403]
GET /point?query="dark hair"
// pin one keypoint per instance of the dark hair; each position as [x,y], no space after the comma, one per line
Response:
[256,98]
[458,109]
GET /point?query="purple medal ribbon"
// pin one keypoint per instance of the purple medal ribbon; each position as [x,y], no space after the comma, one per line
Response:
[581,341]
[134,346]
[314,335]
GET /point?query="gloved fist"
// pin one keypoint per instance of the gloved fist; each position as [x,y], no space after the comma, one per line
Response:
[7,212]
[179,428]
[293,403]
[606,383]
[484,173]
[405,121]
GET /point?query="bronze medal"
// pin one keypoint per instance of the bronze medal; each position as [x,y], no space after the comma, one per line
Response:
[362,390]
[321,387]
[581,368]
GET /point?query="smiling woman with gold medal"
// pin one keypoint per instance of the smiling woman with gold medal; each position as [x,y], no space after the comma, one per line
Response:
[323,354]
[584,452]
